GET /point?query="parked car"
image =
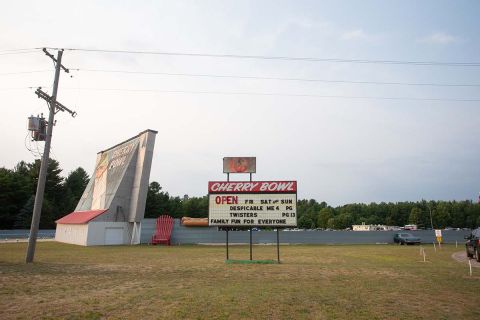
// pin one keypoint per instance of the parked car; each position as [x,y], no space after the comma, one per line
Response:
[405,238]
[473,244]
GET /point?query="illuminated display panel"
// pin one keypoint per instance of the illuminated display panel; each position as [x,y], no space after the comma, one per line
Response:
[239,165]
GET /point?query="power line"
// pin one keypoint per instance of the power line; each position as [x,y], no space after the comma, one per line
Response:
[279,78]
[11,52]
[22,72]
[286,58]
[245,93]
[278,94]
[17,88]
[430,84]
[24,49]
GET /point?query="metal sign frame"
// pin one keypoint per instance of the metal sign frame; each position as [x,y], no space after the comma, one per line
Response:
[251,244]
[228,228]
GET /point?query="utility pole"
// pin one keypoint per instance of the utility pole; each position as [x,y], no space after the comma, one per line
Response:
[54,107]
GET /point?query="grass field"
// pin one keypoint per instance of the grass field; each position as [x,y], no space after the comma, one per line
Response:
[313,282]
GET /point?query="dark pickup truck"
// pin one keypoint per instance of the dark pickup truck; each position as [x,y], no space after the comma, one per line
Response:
[473,244]
[405,238]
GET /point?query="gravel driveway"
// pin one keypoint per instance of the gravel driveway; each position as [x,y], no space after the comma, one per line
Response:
[461,256]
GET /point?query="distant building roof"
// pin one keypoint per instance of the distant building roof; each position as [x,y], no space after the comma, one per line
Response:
[80,217]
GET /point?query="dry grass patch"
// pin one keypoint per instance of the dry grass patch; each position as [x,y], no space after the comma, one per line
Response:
[193,282]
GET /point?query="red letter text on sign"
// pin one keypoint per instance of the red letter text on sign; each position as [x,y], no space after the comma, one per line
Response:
[226,199]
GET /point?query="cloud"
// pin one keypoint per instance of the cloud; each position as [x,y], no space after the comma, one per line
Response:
[439,38]
[357,34]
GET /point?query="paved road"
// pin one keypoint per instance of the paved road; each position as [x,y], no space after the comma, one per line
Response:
[461,256]
[23,240]
[25,233]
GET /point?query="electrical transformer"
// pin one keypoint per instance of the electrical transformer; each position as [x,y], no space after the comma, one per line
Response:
[37,127]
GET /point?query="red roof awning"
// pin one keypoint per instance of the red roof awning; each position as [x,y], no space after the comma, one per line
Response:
[80,217]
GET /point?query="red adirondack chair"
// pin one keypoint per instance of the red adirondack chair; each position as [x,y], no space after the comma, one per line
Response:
[163,230]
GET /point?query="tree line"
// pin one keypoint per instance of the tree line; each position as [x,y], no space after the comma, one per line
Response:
[18,186]
[312,214]
[424,214]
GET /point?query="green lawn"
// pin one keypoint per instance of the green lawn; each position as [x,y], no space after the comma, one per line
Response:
[194,282]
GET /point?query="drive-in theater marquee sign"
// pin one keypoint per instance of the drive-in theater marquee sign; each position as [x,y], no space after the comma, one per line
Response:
[252,203]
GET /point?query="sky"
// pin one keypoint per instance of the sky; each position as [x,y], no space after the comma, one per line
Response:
[343,141]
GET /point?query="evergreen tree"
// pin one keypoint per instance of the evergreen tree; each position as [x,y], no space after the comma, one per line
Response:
[415,215]
[77,181]
[74,185]
[54,197]
[323,216]
[305,222]
[14,193]
[24,217]
[158,202]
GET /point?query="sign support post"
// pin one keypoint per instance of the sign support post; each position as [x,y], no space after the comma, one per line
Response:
[251,244]
[226,230]
[278,246]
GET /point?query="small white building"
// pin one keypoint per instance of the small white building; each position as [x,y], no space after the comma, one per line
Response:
[85,228]
[363,227]
[113,203]
[373,227]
